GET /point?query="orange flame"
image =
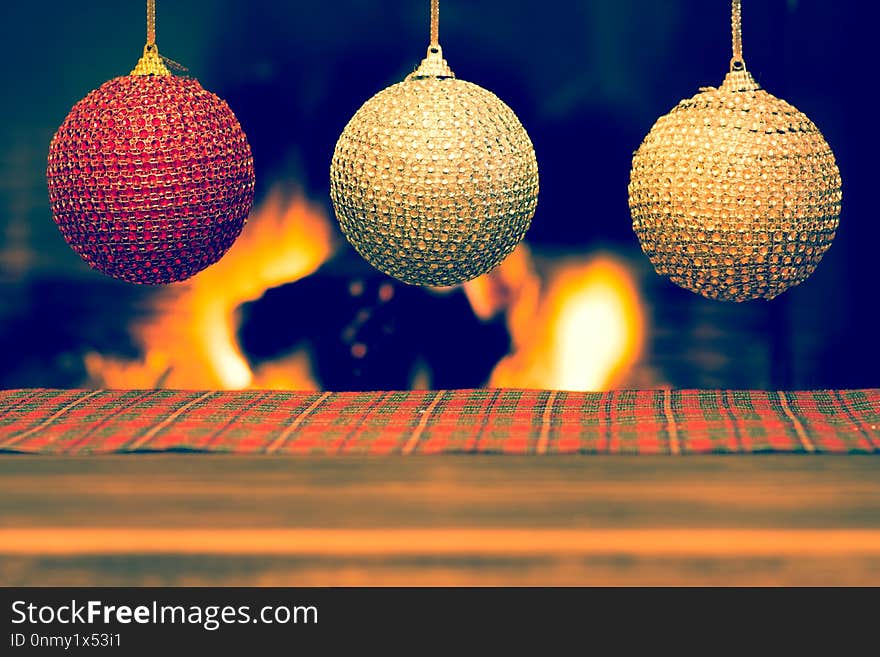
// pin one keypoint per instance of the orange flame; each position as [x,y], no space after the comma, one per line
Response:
[190,339]
[580,329]
[579,326]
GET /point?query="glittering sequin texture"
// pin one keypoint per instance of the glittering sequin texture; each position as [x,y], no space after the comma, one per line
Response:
[735,194]
[434,180]
[150,178]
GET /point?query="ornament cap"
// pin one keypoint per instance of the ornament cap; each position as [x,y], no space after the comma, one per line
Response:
[151,62]
[740,80]
[432,66]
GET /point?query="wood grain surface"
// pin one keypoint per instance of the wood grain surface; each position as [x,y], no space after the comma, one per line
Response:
[183,519]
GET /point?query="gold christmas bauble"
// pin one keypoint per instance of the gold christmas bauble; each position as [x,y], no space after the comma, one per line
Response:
[735,194]
[434,180]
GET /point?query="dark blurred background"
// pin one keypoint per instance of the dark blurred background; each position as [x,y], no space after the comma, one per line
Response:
[587,79]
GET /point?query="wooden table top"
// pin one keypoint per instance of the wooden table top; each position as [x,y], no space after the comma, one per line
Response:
[183,519]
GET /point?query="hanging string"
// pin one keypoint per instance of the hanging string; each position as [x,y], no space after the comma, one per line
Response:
[152,63]
[151,22]
[435,24]
[434,66]
[737,63]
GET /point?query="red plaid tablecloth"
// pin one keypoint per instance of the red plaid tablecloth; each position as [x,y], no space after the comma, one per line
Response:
[461,421]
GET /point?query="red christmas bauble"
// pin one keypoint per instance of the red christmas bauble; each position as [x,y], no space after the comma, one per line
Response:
[151,178]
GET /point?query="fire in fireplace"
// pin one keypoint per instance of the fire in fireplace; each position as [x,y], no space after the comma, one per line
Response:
[575,323]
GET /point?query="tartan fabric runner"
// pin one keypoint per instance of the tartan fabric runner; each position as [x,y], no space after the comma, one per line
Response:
[459,421]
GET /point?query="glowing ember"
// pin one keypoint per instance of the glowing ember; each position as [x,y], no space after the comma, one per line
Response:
[190,339]
[598,325]
[580,329]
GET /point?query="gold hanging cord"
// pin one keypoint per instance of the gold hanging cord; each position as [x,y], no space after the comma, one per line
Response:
[737,63]
[151,62]
[435,23]
[738,79]
[433,65]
